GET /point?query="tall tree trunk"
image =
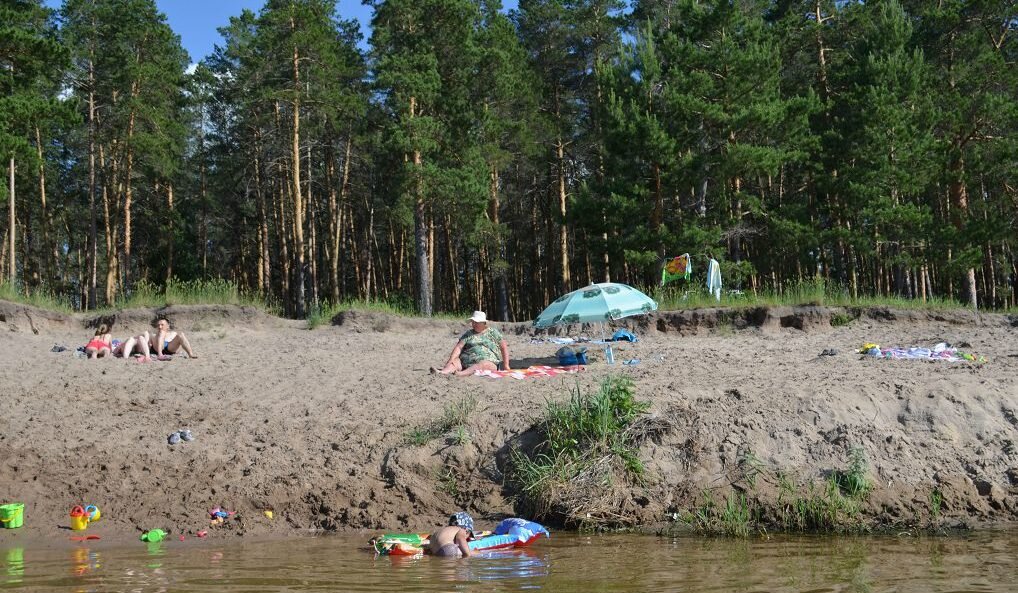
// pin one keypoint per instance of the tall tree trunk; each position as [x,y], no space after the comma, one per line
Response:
[93,235]
[170,233]
[282,231]
[563,227]
[12,272]
[50,250]
[109,227]
[420,230]
[203,223]
[959,211]
[298,201]
[501,292]
[335,224]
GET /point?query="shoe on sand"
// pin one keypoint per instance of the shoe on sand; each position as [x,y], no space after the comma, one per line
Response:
[186,435]
[174,438]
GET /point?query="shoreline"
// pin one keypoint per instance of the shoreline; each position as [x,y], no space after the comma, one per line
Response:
[314,424]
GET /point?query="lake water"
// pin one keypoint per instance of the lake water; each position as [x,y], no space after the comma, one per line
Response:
[567,563]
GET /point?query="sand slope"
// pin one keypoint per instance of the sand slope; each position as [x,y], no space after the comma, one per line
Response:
[312,424]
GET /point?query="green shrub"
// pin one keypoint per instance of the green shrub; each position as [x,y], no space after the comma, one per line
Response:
[589,453]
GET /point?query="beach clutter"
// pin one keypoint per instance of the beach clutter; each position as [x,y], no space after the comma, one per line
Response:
[12,515]
[268,513]
[153,535]
[79,518]
[93,513]
[218,516]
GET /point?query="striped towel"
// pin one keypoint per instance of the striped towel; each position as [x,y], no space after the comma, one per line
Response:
[534,371]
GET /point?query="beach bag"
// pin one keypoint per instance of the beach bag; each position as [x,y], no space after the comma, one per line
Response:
[572,355]
[624,335]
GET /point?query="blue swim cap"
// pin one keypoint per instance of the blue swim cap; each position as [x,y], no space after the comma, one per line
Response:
[461,519]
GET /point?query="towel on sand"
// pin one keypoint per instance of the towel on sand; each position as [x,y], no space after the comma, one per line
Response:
[534,371]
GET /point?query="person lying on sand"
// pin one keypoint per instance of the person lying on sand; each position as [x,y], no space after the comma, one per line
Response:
[452,541]
[480,348]
[101,343]
[169,341]
[134,345]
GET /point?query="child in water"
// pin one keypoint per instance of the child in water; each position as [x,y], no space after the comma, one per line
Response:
[101,343]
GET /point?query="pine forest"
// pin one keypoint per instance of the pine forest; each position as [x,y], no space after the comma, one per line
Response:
[464,156]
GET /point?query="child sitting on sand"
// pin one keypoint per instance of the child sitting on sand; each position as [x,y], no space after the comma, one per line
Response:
[101,343]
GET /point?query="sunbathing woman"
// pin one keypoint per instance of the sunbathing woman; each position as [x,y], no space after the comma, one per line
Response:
[101,343]
[169,341]
[479,348]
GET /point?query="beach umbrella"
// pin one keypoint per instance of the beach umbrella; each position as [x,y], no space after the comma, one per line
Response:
[598,303]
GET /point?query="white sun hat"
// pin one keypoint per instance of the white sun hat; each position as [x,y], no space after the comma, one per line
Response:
[479,317]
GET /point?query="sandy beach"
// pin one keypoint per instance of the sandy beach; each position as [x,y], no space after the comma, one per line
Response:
[312,424]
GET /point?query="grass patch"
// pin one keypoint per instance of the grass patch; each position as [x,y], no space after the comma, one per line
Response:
[448,483]
[829,506]
[323,314]
[40,298]
[579,475]
[842,319]
[733,518]
[452,424]
[807,292]
[190,292]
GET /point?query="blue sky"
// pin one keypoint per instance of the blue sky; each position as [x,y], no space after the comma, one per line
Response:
[196,21]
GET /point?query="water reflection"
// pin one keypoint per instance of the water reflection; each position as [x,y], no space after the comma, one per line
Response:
[14,562]
[565,564]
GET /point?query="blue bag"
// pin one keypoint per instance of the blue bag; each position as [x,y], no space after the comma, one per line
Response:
[572,355]
[624,335]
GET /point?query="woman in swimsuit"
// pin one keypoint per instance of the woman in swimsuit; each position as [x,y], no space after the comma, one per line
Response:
[167,341]
[101,343]
[479,348]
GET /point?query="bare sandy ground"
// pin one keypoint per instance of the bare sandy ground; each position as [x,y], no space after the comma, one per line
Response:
[312,424]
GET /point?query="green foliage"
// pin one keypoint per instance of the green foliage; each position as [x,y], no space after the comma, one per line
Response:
[854,482]
[590,442]
[842,319]
[448,483]
[830,506]
[936,503]
[593,420]
[816,291]
[189,292]
[455,416]
[734,518]
[705,127]
[40,298]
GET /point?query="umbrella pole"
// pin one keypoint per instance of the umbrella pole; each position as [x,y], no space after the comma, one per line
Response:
[609,355]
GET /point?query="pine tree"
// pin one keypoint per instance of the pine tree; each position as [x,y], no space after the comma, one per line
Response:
[30,62]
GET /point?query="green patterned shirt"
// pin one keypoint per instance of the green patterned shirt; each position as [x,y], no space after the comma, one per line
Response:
[481,346]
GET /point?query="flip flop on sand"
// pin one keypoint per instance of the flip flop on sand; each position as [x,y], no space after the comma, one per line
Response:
[173,439]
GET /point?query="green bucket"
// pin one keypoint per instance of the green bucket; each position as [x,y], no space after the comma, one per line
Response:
[12,515]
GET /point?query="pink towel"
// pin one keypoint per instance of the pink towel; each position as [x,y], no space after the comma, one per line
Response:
[534,371]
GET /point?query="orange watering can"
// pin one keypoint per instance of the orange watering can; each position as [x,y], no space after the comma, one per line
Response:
[79,519]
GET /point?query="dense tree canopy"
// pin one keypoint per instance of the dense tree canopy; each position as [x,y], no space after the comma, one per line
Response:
[468,158]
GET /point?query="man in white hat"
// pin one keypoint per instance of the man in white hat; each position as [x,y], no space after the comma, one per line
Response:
[480,348]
